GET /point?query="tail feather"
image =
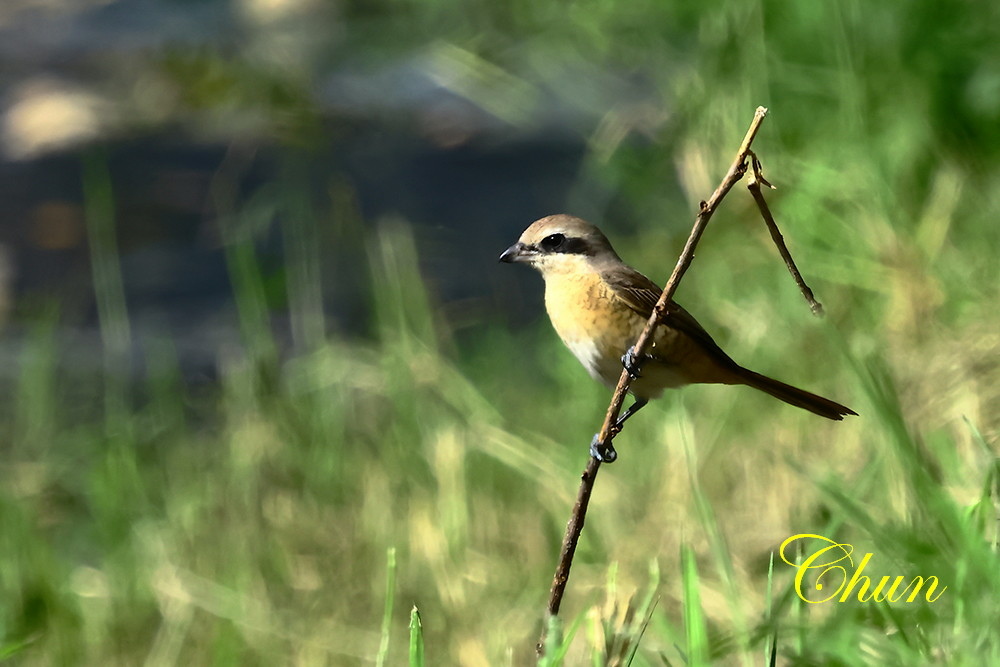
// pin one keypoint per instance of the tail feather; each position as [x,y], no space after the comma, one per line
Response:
[800,398]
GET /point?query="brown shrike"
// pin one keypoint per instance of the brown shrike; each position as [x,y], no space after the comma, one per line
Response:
[599,305]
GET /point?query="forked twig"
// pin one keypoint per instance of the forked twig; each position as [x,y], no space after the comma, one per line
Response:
[607,433]
[753,185]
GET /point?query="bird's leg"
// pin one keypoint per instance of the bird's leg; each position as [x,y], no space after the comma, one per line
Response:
[605,451]
[633,362]
[602,451]
[639,404]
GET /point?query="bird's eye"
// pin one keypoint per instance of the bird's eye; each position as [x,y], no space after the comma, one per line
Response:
[552,242]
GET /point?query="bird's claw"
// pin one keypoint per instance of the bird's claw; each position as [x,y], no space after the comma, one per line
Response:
[632,362]
[602,451]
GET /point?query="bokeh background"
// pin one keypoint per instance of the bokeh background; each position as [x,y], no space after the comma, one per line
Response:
[265,387]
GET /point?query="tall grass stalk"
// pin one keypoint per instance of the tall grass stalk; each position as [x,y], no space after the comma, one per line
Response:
[109,291]
[390,596]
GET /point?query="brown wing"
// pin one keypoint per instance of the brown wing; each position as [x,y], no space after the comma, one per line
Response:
[641,295]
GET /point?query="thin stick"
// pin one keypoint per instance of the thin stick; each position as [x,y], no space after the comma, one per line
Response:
[753,185]
[607,433]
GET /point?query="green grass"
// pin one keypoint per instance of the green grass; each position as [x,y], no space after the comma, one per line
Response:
[250,523]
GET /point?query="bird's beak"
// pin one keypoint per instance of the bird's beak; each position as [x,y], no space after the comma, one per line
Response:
[516,253]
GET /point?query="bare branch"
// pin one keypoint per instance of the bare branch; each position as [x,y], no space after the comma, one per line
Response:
[607,433]
[753,185]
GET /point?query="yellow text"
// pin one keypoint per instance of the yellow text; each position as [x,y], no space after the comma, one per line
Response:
[833,569]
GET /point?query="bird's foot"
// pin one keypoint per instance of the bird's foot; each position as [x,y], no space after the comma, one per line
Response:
[633,363]
[602,451]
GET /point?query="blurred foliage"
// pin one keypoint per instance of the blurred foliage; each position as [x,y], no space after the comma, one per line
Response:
[248,522]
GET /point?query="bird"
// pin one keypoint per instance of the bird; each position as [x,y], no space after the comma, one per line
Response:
[598,305]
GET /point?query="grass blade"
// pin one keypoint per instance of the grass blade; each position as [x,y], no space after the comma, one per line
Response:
[416,639]
[694,618]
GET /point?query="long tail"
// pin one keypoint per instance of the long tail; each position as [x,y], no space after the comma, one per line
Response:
[800,398]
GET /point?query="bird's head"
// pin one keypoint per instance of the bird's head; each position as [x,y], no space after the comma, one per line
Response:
[561,243]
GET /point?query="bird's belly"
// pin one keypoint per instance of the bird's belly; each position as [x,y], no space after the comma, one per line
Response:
[598,330]
[594,358]
[603,362]
[599,348]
